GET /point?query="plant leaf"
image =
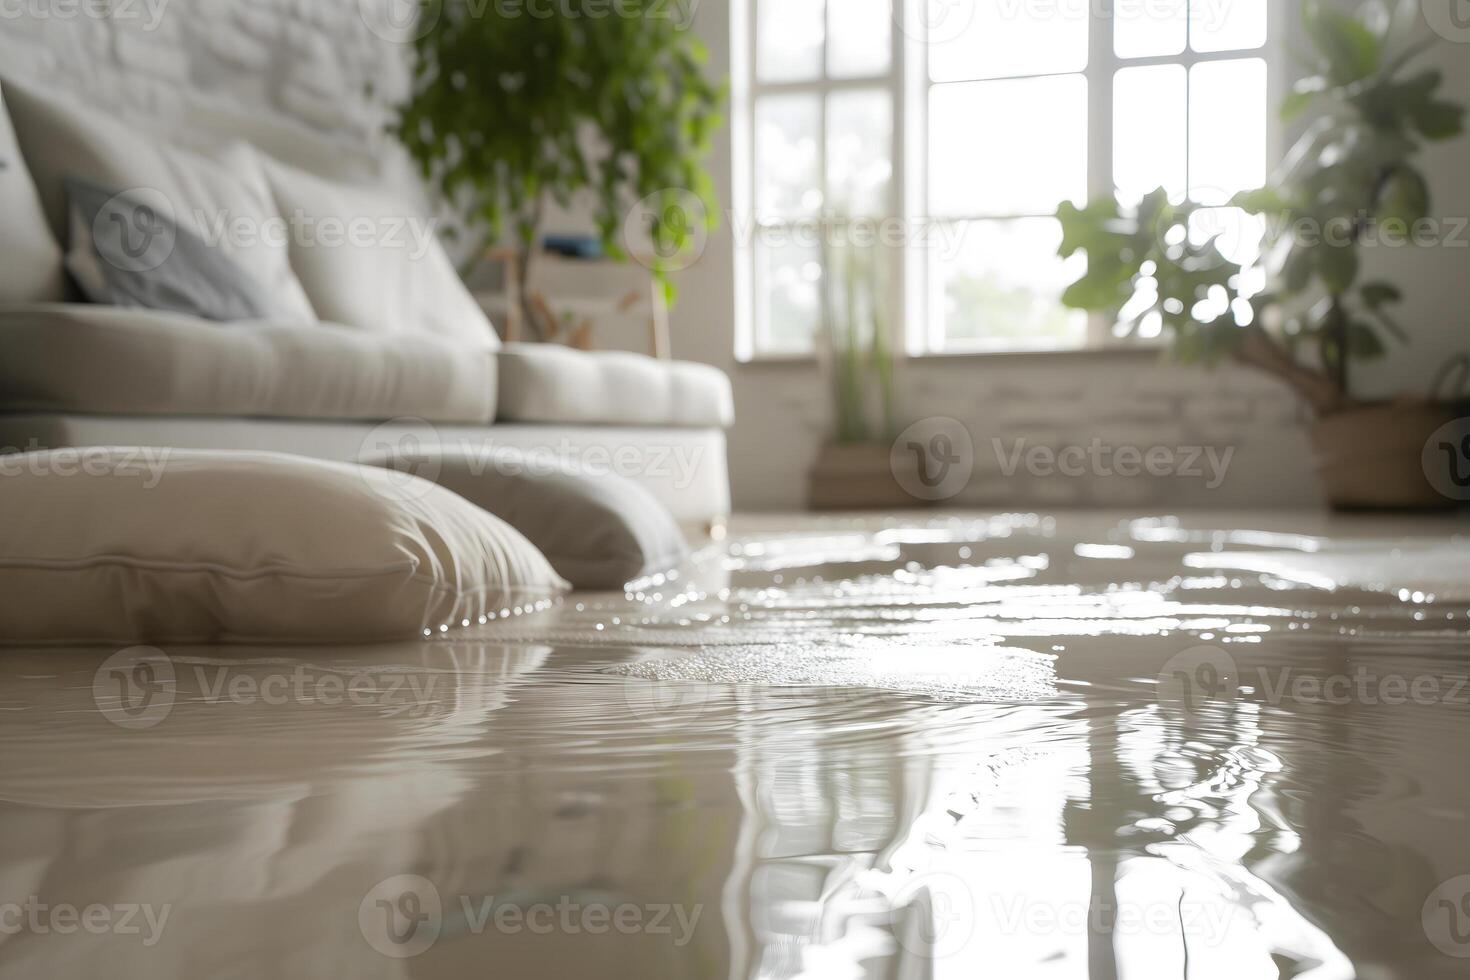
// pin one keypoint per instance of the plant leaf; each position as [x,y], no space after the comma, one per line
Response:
[1351,50]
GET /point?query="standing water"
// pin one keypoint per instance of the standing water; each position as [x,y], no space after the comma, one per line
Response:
[1009,747]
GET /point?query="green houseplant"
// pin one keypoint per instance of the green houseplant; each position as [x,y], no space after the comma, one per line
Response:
[854,468]
[1367,110]
[511,109]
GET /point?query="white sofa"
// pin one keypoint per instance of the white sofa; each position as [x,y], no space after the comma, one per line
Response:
[78,374]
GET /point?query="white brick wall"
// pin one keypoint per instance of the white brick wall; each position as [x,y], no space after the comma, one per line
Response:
[1051,401]
[305,64]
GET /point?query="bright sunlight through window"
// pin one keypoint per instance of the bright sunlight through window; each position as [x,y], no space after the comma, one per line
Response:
[944,133]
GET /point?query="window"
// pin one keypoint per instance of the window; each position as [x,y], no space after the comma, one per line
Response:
[948,131]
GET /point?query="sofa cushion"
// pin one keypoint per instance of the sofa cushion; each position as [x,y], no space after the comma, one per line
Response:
[549,383]
[116,545]
[30,259]
[220,204]
[177,272]
[113,360]
[370,261]
[600,531]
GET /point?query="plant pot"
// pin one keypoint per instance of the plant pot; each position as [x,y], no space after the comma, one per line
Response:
[858,476]
[1374,458]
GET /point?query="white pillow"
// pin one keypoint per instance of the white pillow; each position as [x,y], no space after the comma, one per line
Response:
[599,530]
[30,260]
[170,546]
[222,204]
[369,260]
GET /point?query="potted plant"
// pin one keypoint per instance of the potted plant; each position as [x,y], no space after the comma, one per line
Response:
[510,111]
[1306,313]
[853,470]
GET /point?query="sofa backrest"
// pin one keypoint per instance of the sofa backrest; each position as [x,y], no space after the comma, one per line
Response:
[364,246]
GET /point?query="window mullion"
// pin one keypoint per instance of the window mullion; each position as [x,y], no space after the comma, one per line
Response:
[898,154]
[824,293]
[1102,64]
[911,90]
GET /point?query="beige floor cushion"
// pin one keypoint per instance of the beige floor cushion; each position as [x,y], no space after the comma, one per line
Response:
[226,206]
[109,360]
[600,531]
[30,259]
[552,384]
[384,270]
[171,546]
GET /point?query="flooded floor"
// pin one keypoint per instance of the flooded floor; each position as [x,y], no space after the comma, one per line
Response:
[1013,747]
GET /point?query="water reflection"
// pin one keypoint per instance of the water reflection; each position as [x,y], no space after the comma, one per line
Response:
[970,752]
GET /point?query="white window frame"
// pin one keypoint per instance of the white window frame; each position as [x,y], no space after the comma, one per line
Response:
[909,86]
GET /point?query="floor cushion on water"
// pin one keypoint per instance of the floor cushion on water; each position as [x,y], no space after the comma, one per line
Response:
[599,530]
[118,545]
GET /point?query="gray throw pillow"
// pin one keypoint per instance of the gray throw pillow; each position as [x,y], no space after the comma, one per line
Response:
[127,250]
[599,531]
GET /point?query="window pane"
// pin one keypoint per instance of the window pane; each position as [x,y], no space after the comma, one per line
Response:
[997,285]
[1239,25]
[861,37]
[973,39]
[1007,148]
[789,38]
[1150,132]
[1149,30]
[788,284]
[1227,133]
[787,179]
[859,154]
